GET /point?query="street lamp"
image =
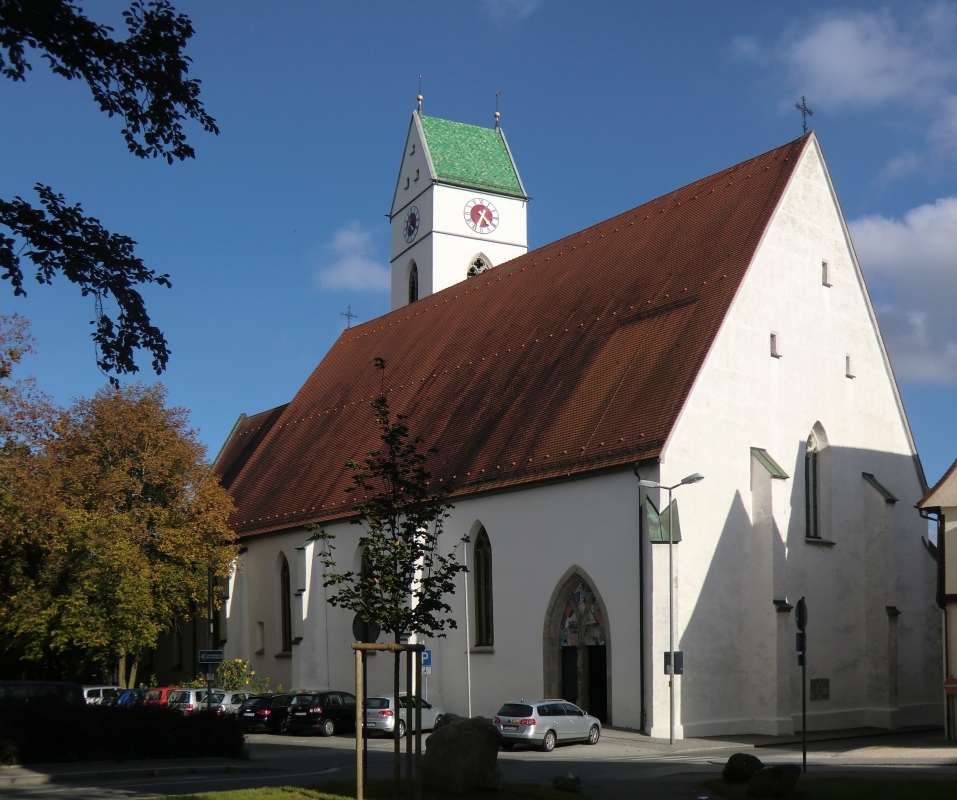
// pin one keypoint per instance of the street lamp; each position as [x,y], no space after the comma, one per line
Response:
[693,478]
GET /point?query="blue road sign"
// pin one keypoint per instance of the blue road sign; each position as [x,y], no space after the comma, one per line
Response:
[211,657]
[426,658]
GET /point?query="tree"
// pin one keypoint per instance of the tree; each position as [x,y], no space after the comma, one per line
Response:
[404,578]
[108,522]
[142,80]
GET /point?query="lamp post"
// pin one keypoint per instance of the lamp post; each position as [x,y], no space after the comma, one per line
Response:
[694,478]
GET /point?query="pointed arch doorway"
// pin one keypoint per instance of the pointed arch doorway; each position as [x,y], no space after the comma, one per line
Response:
[578,646]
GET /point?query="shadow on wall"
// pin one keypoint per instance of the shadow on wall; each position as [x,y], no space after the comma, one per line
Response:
[741,672]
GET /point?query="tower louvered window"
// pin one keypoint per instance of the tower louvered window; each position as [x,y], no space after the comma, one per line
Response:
[812,490]
[484,631]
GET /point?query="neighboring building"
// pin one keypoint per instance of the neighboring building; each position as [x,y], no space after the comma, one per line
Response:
[941,500]
[724,328]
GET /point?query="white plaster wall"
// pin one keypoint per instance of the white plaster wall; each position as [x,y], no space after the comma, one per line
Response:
[445,245]
[536,536]
[744,398]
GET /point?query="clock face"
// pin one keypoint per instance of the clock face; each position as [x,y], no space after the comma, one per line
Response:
[481,216]
[411,224]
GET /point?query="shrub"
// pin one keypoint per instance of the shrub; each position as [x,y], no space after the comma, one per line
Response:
[234,676]
[48,732]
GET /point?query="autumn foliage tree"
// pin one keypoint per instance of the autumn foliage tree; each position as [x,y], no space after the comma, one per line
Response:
[109,517]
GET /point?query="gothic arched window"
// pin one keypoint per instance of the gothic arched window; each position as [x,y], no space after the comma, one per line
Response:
[285,605]
[479,265]
[812,488]
[413,283]
[484,631]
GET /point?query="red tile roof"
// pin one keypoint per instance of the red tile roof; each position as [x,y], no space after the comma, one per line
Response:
[575,357]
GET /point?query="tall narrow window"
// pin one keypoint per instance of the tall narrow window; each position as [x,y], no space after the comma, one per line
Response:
[812,489]
[825,274]
[848,367]
[285,605]
[484,632]
[413,283]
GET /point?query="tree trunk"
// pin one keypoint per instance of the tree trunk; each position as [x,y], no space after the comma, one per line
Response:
[134,663]
[397,750]
[122,671]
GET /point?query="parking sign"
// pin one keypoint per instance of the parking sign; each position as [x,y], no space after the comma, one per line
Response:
[426,658]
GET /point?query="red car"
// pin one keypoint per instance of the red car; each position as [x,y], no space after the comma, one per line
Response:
[159,696]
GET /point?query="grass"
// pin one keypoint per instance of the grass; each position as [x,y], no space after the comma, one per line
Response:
[375,790]
[853,789]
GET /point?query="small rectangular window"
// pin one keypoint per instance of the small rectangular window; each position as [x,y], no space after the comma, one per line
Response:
[260,637]
[848,370]
[775,351]
[825,273]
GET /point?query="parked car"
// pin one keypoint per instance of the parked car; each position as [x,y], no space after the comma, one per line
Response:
[545,723]
[322,712]
[34,691]
[381,711]
[96,695]
[127,698]
[230,702]
[188,700]
[159,695]
[265,713]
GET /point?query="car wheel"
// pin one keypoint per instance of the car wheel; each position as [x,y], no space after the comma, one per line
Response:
[508,745]
[327,728]
[283,727]
[594,735]
[401,729]
[548,743]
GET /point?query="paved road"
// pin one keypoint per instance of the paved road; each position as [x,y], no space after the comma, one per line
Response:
[623,765]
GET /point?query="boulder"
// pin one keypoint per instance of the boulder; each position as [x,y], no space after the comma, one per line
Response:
[774,781]
[462,755]
[740,768]
[568,783]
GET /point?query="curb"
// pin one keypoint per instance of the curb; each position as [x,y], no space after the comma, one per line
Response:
[31,778]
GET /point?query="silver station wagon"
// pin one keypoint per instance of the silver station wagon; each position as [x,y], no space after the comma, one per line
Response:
[545,723]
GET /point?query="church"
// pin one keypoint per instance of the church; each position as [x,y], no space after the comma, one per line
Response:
[722,330]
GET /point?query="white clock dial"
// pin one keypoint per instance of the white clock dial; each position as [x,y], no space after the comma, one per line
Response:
[480,215]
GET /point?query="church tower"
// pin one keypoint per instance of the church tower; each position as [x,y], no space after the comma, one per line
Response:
[458,209]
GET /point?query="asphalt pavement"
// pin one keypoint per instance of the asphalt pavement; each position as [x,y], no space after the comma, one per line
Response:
[622,765]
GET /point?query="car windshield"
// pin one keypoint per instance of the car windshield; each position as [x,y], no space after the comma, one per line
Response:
[305,700]
[515,710]
[257,702]
[377,702]
[179,697]
[236,699]
[217,698]
[154,695]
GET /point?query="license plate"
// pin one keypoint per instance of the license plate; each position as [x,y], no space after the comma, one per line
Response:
[299,713]
[370,724]
[510,727]
[249,713]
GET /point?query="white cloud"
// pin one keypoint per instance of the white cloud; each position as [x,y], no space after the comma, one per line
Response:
[866,61]
[348,262]
[900,167]
[911,265]
[502,10]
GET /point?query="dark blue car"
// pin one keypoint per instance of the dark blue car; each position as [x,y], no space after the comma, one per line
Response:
[129,698]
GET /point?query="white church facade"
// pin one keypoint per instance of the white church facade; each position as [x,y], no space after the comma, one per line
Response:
[724,329]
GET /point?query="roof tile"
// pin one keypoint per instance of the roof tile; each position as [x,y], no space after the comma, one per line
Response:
[575,357]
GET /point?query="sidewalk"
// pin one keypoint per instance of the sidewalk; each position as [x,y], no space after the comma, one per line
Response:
[39,774]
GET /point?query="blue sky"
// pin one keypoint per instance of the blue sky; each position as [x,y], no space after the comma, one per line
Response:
[606,105]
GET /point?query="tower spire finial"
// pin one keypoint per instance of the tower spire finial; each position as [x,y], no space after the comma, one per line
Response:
[805,111]
[418,97]
[497,115]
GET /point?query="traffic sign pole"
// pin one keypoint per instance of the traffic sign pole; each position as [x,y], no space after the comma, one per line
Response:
[800,617]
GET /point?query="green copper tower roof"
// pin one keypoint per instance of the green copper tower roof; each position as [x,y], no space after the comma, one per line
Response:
[472,156]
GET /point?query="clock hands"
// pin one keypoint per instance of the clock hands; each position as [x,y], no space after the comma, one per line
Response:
[484,221]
